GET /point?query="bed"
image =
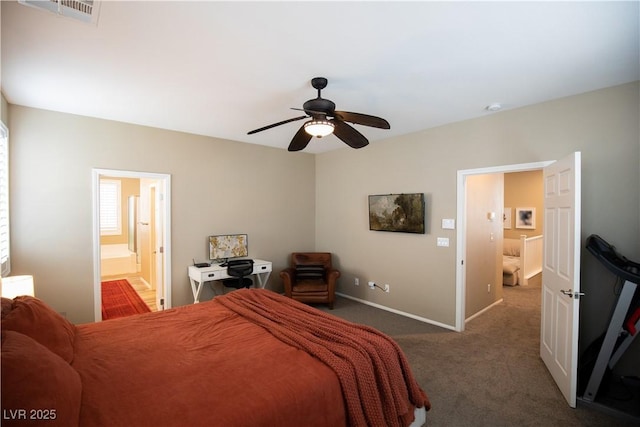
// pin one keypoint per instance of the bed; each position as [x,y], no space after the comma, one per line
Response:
[521,259]
[249,358]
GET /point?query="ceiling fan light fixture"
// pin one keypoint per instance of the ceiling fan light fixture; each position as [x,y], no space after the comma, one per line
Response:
[317,110]
[319,128]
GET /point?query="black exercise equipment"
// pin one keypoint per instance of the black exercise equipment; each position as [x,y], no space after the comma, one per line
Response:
[625,321]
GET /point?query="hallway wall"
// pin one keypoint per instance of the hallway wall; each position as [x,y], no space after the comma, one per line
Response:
[484,196]
[524,189]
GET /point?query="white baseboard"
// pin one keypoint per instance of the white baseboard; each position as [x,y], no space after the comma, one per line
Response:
[401,313]
[483,310]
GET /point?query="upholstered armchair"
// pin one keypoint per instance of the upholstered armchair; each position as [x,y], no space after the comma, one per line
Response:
[311,278]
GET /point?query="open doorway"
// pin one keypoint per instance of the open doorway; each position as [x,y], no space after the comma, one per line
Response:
[141,231]
[560,300]
[504,223]
[462,227]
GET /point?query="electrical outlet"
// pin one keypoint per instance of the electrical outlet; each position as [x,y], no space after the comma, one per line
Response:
[386,288]
[372,285]
[356,281]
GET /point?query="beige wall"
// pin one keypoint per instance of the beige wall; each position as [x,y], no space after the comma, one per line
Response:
[524,190]
[289,201]
[485,195]
[218,187]
[603,125]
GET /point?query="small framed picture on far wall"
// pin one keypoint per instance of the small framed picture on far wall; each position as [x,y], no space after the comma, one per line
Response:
[526,218]
[506,218]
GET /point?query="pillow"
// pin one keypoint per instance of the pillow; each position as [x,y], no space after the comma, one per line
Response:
[7,306]
[38,387]
[310,272]
[34,318]
[511,247]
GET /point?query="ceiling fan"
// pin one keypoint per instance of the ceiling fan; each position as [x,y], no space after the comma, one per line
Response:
[325,120]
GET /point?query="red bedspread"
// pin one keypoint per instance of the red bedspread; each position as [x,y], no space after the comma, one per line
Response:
[377,384]
[199,365]
[213,364]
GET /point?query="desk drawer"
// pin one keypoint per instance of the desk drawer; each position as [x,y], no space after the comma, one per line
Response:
[261,268]
[211,275]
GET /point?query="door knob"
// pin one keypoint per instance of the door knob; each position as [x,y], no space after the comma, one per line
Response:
[570,293]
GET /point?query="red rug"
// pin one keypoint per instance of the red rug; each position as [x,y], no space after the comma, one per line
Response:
[119,299]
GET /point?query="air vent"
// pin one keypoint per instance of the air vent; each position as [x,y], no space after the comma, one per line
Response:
[80,10]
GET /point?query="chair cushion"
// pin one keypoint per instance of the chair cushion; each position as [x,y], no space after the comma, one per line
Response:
[510,264]
[315,286]
[309,272]
[39,382]
[32,317]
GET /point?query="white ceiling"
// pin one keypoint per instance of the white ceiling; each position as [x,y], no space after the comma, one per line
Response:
[224,68]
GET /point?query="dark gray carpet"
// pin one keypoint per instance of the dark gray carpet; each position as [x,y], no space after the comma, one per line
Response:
[489,375]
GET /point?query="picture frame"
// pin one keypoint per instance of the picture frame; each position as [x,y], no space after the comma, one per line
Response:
[526,218]
[402,213]
[506,219]
[225,246]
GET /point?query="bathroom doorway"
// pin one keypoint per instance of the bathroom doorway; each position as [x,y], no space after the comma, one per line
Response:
[143,227]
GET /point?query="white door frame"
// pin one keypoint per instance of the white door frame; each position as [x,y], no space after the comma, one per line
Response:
[461,240]
[158,249]
[165,188]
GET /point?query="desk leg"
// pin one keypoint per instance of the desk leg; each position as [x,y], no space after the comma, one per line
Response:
[262,279]
[196,288]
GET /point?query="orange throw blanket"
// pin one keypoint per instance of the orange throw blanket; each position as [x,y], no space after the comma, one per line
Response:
[377,383]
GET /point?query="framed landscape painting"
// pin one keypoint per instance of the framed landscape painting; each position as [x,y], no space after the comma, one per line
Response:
[404,213]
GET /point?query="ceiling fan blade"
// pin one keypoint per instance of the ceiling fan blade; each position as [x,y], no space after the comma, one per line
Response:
[275,124]
[300,140]
[362,119]
[348,134]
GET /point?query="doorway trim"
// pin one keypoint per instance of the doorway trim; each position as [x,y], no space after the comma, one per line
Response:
[165,180]
[461,240]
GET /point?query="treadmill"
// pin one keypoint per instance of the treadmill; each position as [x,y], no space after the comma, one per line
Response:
[624,325]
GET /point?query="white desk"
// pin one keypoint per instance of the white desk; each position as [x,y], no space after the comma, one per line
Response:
[197,276]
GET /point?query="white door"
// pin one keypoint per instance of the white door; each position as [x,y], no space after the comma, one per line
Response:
[159,247]
[153,238]
[561,274]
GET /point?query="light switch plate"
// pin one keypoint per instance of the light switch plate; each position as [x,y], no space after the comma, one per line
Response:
[448,224]
[443,241]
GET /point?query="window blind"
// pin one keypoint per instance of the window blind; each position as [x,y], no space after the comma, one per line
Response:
[110,208]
